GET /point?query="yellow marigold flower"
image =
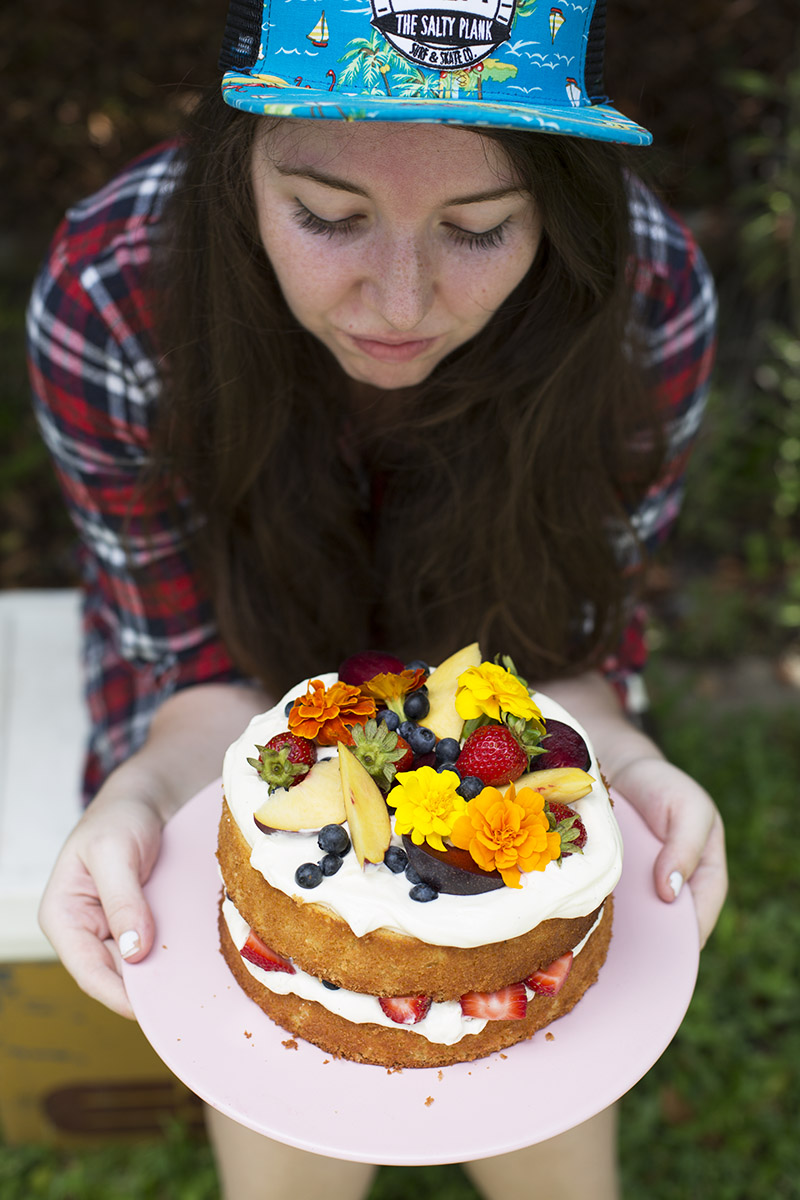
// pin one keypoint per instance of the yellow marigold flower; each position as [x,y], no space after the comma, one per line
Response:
[393,686]
[492,690]
[328,714]
[427,805]
[509,833]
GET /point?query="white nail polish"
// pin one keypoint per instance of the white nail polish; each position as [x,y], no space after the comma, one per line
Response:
[676,883]
[129,943]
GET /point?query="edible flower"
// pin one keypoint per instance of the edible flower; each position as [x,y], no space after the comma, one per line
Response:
[427,805]
[326,715]
[508,833]
[490,690]
[392,687]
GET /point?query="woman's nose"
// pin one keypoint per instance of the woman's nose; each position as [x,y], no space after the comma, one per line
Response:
[400,286]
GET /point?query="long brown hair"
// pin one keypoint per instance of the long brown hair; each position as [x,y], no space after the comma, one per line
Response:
[485,507]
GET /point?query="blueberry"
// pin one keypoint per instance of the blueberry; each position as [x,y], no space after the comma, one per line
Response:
[405,728]
[332,987]
[308,875]
[447,750]
[396,859]
[412,875]
[470,787]
[448,766]
[423,892]
[333,839]
[421,739]
[330,864]
[389,718]
[418,664]
[416,705]
[288,708]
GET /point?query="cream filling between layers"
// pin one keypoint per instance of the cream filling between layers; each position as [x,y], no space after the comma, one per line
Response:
[374,898]
[444,1022]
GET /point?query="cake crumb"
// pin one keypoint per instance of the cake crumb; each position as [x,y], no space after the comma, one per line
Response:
[394,1070]
[429,1102]
[549,1037]
[440,1075]
[504,1056]
[325,1062]
[290,1044]
[247,1033]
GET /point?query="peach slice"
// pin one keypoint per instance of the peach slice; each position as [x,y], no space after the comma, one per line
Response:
[365,807]
[442,717]
[310,804]
[564,784]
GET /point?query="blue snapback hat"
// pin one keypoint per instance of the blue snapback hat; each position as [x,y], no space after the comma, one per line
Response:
[513,64]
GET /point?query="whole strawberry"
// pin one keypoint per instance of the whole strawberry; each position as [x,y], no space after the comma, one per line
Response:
[569,825]
[493,754]
[285,760]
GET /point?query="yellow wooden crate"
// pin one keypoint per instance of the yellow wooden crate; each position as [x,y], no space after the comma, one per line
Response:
[72,1072]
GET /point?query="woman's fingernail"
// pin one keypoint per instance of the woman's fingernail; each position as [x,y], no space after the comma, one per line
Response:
[676,883]
[129,943]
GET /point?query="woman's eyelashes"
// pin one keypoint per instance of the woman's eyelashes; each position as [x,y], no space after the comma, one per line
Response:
[479,241]
[485,240]
[310,221]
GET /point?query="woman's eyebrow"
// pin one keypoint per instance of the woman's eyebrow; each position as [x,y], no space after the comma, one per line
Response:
[343,185]
[331,181]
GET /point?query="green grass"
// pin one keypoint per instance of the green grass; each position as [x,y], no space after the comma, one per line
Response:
[716,1117]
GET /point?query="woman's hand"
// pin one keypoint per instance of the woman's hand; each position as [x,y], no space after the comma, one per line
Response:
[678,811]
[686,820]
[93,909]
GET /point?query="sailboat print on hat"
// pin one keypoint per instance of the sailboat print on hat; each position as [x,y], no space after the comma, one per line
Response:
[319,34]
[573,92]
[556,21]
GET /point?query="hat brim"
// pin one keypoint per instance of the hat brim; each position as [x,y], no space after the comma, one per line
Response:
[263,95]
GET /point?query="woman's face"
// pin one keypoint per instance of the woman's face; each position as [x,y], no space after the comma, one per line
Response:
[393,244]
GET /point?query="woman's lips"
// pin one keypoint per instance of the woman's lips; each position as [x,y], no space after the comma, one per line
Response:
[392,352]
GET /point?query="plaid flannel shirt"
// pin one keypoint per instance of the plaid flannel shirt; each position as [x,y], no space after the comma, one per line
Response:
[149,628]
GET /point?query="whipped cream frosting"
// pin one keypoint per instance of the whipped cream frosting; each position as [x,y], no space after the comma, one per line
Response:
[374,898]
[444,1022]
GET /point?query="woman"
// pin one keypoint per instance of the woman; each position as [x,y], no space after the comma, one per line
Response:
[417,376]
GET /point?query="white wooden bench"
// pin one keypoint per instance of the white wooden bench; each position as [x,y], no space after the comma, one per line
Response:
[43,726]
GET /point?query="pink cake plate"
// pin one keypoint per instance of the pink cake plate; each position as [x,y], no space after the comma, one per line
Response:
[234,1057]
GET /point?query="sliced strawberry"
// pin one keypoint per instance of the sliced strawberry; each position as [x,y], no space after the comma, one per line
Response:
[493,754]
[405,1010]
[550,980]
[508,1004]
[256,952]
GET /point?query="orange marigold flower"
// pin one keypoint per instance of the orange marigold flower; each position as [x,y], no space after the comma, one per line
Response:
[509,833]
[393,686]
[326,715]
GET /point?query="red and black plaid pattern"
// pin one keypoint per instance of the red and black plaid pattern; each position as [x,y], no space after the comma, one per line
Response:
[148,624]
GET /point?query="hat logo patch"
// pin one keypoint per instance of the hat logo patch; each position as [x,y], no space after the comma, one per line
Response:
[448,37]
